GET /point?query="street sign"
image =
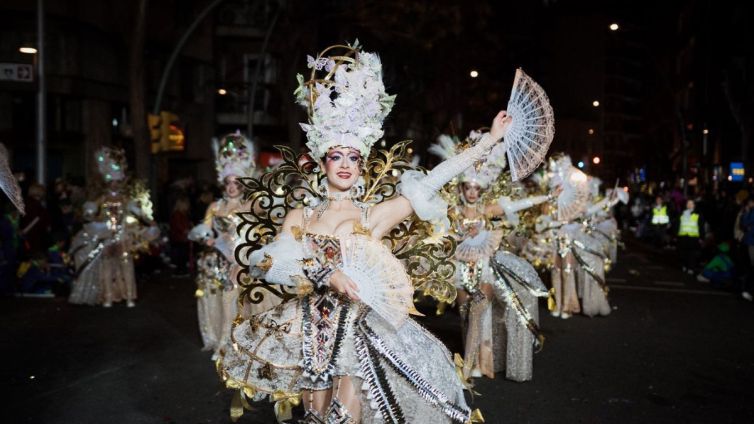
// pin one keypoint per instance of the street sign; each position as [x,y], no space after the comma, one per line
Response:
[737,171]
[16,72]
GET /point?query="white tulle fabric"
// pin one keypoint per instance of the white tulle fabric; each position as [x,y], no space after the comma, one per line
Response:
[286,254]
[422,190]
[512,207]
[427,204]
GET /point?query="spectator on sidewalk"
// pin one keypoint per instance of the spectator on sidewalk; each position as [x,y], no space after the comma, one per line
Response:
[690,237]
[10,245]
[747,226]
[180,225]
[35,224]
[720,269]
[659,223]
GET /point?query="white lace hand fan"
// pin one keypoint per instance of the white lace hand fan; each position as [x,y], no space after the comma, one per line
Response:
[382,280]
[533,127]
[574,199]
[8,182]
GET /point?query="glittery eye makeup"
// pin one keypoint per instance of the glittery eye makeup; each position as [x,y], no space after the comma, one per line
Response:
[337,155]
[333,157]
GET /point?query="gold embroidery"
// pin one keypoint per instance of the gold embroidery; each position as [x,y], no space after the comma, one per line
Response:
[297,232]
[266,263]
[361,230]
[303,285]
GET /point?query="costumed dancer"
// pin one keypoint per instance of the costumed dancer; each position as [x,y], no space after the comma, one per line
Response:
[601,220]
[120,226]
[345,346]
[579,262]
[497,296]
[217,290]
[539,246]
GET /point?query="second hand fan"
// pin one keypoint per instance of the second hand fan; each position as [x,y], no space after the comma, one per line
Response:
[532,129]
[381,278]
[574,198]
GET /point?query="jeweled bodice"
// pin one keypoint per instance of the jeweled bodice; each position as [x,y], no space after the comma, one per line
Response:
[465,227]
[323,248]
[224,215]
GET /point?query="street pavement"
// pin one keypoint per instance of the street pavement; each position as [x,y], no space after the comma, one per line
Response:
[672,351]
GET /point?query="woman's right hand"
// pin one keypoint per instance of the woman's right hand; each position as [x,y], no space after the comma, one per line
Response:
[500,124]
[340,283]
[210,242]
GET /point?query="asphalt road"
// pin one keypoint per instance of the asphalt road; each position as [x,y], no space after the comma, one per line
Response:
[672,351]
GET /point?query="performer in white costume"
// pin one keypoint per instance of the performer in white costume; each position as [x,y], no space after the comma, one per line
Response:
[346,346]
[497,293]
[120,226]
[217,290]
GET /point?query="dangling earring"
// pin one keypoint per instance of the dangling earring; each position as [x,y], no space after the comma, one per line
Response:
[357,190]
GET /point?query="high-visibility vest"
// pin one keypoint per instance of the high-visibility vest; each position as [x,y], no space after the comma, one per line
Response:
[660,215]
[689,225]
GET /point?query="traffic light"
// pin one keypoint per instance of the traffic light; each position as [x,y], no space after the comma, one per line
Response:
[155,131]
[165,132]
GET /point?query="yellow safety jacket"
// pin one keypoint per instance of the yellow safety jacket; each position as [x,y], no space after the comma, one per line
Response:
[660,215]
[689,225]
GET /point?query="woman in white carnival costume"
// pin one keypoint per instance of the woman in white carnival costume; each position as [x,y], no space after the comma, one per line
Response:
[578,260]
[349,362]
[120,226]
[217,291]
[497,292]
[601,220]
[596,253]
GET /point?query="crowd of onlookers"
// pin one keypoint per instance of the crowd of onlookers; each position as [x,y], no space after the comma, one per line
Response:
[33,246]
[711,230]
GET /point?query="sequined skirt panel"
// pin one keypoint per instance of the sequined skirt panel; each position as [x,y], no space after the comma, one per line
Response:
[266,355]
[109,278]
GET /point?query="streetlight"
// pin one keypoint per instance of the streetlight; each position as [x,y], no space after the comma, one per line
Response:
[580,164]
[473,73]
[614,26]
[27,50]
[222,91]
[596,103]
[596,160]
[705,131]
[591,131]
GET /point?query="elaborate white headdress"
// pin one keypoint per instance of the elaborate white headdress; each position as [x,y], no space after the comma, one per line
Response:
[488,171]
[234,155]
[111,163]
[348,104]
